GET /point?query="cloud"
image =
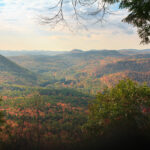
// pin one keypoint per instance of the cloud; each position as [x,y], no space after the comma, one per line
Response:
[19,25]
[22,16]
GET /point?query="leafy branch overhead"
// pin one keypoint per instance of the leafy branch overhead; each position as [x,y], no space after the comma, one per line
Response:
[83,10]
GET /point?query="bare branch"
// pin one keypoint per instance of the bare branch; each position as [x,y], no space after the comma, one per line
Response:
[80,11]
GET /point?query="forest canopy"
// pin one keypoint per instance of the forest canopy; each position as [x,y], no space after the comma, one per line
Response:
[126,105]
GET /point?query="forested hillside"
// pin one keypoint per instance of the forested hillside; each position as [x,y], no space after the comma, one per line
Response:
[88,71]
[46,98]
[55,98]
[12,73]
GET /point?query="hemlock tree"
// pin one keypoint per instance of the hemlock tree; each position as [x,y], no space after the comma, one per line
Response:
[139,13]
[121,110]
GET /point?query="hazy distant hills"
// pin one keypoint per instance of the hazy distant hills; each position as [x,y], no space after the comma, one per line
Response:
[88,70]
[26,52]
[134,51]
[10,73]
[53,53]
[64,62]
[139,65]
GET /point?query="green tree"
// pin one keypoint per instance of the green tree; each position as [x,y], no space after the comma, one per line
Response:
[139,16]
[123,108]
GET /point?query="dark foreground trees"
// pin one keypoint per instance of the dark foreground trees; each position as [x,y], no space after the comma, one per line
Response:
[120,116]
[1,114]
[1,121]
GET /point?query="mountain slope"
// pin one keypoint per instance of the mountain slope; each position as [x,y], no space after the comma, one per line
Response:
[138,64]
[76,69]
[13,73]
[88,71]
[75,58]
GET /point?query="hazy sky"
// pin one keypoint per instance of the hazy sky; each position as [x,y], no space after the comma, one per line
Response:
[20,29]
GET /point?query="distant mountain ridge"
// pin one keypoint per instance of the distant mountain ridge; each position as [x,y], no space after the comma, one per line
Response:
[27,52]
[53,53]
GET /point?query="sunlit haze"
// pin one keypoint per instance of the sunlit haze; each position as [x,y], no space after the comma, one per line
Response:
[20,28]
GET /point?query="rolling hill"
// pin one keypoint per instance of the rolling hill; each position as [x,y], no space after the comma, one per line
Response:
[87,71]
[11,73]
[48,103]
[43,63]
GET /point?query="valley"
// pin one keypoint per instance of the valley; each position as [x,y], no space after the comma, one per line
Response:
[46,98]
[87,71]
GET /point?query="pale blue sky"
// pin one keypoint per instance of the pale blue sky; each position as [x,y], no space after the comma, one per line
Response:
[20,29]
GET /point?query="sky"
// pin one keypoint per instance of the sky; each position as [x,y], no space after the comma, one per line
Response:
[21,29]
